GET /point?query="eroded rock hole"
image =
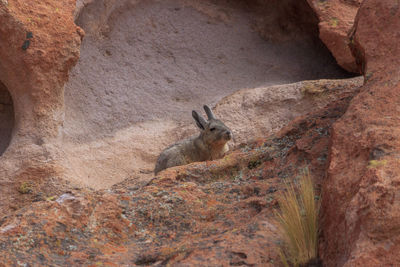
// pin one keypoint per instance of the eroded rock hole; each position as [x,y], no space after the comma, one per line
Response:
[145,65]
[6,118]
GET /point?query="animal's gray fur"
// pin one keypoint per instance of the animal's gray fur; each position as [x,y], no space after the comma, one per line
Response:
[209,145]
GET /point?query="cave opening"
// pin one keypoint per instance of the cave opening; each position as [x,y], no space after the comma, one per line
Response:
[146,60]
[145,65]
[6,118]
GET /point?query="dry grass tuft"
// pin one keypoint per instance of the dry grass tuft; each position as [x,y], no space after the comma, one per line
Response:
[298,221]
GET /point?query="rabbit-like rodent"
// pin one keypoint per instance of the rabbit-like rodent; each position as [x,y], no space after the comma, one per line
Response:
[209,145]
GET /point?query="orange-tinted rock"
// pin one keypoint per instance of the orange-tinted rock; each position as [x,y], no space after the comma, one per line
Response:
[210,213]
[361,201]
[336,19]
[39,43]
[101,133]
[213,212]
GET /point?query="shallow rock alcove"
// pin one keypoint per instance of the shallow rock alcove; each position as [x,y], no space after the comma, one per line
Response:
[145,65]
[6,118]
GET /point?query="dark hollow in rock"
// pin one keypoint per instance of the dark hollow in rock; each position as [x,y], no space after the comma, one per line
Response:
[6,118]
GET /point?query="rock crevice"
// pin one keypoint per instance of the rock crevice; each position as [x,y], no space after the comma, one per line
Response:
[6,118]
[361,204]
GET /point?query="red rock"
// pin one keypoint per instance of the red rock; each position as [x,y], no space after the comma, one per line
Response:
[336,20]
[215,213]
[361,204]
[39,44]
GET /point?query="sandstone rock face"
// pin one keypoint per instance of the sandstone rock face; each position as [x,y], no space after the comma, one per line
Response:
[336,19]
[210,213]
[127,99]
[39,43]
[145,65]
[254,113]
[361,200]
[99,133]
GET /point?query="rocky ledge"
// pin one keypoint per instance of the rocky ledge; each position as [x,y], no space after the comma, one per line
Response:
[211,213]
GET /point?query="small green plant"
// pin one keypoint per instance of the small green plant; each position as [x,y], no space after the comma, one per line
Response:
[334,22]
[25,188]
[376,163]
[298,222]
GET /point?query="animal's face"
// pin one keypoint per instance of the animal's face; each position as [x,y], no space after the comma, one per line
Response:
[216,132]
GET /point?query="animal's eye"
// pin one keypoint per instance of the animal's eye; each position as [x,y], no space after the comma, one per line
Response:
[212,129]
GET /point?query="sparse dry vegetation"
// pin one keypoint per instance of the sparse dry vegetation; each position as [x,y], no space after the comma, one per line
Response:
[298,221]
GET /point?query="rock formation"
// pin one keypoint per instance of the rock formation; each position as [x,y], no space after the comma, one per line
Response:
[145,65]
[95,132]
[336,18]
[39,43]
[361,195]
[78,143]
[210,213]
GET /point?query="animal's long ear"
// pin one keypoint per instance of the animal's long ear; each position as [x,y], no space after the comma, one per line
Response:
[209,113]
[200,121]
